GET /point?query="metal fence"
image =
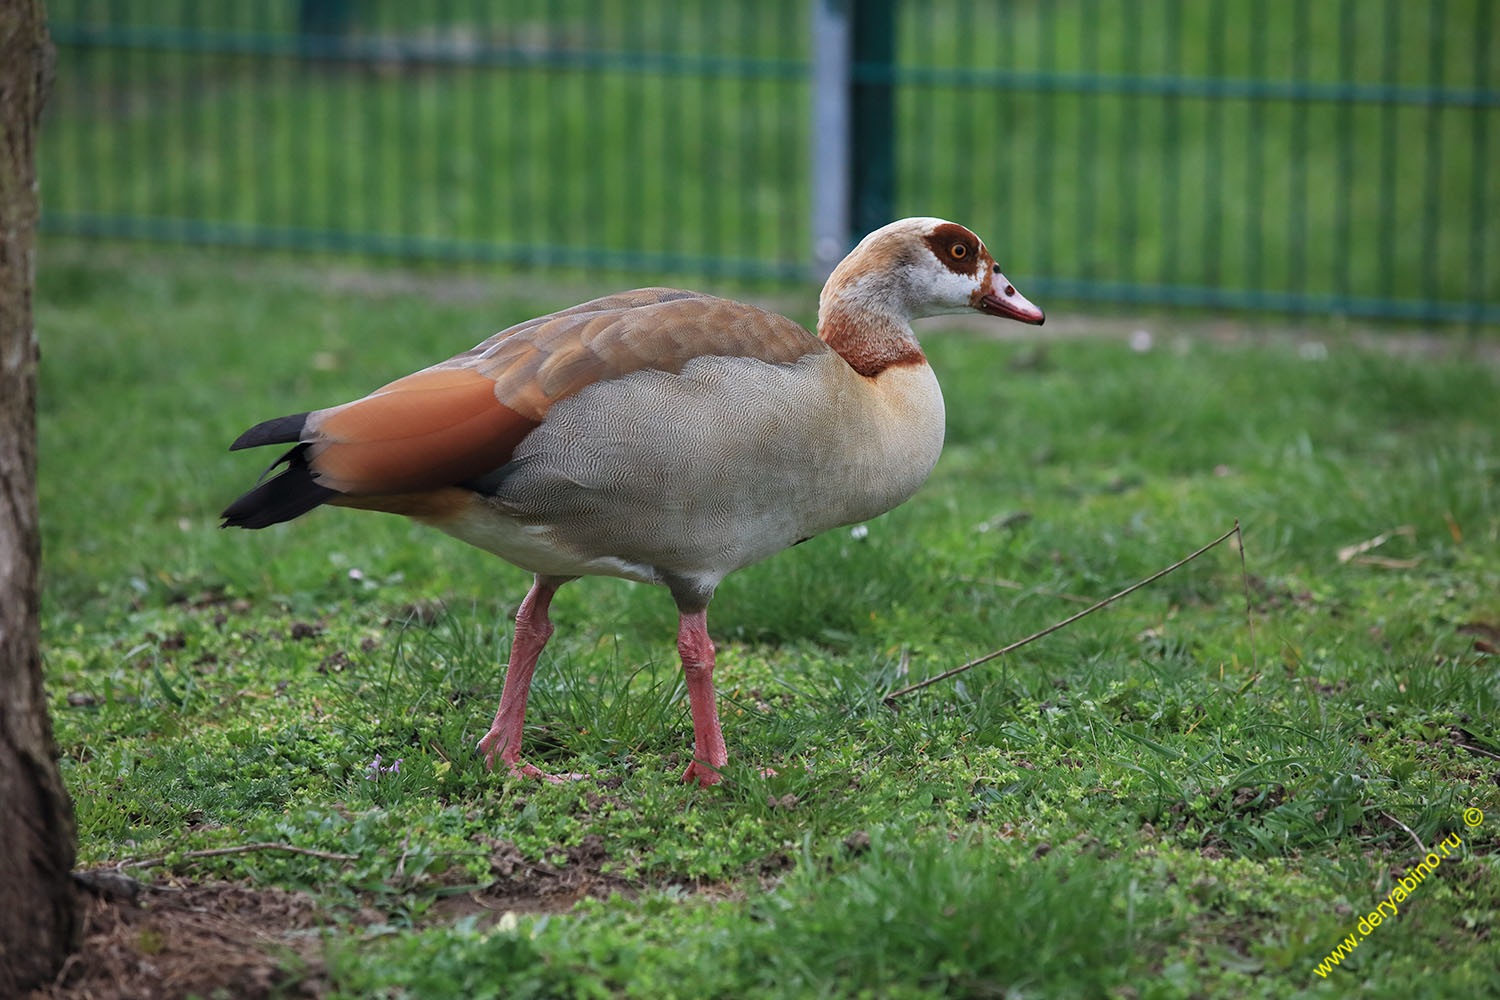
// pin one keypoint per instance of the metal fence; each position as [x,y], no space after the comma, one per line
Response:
[1312,156]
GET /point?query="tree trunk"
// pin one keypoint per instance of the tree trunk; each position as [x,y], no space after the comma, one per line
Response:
[38,912]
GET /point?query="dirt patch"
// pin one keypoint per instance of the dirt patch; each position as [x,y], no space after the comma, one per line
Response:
[525,886]
[209,940]
[159,942]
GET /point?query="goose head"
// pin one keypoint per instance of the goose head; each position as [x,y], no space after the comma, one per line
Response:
[923,267]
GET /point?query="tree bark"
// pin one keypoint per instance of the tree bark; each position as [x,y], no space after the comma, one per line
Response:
[39,922]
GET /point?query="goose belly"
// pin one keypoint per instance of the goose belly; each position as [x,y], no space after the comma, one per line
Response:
[658,476]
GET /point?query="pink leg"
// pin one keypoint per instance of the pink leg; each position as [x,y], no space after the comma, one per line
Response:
[533,629]
[709,753]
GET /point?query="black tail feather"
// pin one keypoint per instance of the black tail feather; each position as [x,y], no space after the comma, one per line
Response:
[282,430]
[281,498]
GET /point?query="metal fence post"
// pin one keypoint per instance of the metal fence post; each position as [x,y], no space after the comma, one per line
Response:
[830,133]
[322,25]
[854,168]
[873,119]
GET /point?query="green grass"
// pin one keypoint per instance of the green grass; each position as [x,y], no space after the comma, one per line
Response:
[1127,808]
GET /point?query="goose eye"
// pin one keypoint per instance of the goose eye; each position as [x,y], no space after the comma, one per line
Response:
[959,251]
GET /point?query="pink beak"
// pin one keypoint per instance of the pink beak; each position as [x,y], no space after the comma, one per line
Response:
[1002,299]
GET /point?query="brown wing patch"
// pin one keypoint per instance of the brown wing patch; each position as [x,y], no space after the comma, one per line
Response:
[463,418]
[435,428]
[539,363]
[955,247]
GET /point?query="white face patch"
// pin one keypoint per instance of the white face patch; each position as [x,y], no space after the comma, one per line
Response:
[953,293]
[940,291]
[909,269]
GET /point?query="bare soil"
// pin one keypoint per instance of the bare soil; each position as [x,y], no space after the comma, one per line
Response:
[178,938]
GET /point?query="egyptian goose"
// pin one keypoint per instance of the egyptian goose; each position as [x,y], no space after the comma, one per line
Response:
[658,435]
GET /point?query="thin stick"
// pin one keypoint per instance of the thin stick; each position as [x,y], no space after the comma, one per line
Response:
[241,849]
[1409,833]
[1478,752]
[890,699]
[1239,540]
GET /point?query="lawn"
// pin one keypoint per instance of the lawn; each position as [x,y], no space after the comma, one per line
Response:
[1144,804]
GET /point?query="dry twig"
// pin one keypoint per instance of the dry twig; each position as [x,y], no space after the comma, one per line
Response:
[1408,830]
[890,699]
[215,852]
[1348,552]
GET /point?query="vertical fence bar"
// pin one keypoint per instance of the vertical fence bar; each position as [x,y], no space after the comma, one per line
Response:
[346,170]
[1389,76]
[742,155]
[607,190]
[832,194]
[509,169]
[702,114]
[1046,40]
[917,173]
[123,119]
[295,91]
[1433,161]
[997,184]
[1296,202]
[181,138]
[1130,151]
[1087,170]
[404,90]
[270,121]
[485,160]
[151,118]
[1171,193]
[872,115]
[1342,236]
[672,125]
[315,186]
[752,240]
[630,188]
[222,201]
[381,126]
[715,97]
[524,155]
[429,141]
[1213,159]
[1479,165]
[558,184]
[252,205]
[1255,195]
[792,212]
[74,160]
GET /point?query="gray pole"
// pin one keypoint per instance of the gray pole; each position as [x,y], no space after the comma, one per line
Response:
[831,80]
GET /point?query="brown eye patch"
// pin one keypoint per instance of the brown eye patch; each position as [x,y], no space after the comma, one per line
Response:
[955,247]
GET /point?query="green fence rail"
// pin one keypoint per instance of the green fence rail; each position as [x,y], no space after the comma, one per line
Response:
[1304,156]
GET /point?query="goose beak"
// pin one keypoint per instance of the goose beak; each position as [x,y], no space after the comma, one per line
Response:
[1002,299]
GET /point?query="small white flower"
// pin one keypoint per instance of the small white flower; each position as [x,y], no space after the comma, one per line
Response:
[1141,341]
[859,531]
